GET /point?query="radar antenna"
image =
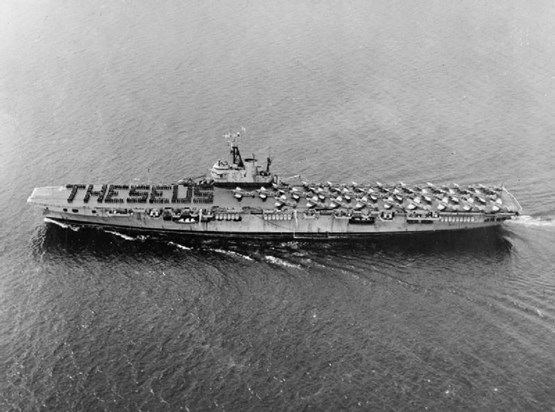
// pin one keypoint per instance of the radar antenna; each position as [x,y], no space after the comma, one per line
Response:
[232,139]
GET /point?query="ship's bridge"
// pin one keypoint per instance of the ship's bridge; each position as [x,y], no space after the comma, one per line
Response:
[240,171]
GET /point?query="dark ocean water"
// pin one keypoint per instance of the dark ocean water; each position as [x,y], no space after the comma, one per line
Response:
[106,91]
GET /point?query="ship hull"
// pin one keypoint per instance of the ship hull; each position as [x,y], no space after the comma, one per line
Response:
[284,212]
[257,227]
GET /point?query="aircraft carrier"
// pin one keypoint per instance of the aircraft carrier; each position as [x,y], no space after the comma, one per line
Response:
[240,198]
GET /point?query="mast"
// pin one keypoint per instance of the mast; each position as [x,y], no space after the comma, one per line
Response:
[236,155]
[234,149]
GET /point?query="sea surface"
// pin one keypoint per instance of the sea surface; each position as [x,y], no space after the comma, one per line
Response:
[142,91]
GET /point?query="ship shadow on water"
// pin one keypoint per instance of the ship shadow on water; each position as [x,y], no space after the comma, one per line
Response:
[55,240]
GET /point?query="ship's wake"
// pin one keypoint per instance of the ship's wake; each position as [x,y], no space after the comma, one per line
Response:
[280,262]
[530,221]
[62,225]
[221,251]
[126,237]
[179,246]
[232,253]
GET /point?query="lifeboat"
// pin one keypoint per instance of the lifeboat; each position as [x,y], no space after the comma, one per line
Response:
[339,214]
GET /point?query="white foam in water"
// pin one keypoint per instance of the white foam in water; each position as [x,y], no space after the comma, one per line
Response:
[64,225]
[533,221]
[281,262]
[120,235]
[230,253]
[180,246]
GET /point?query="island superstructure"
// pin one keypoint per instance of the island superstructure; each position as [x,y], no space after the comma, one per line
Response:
[240,198]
